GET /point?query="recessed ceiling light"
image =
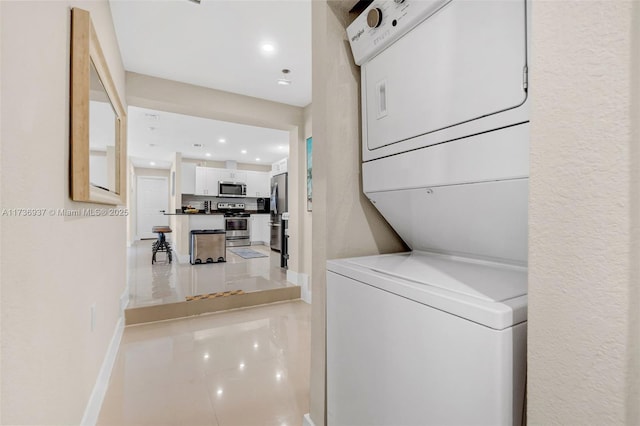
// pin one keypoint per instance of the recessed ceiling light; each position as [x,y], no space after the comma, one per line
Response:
[280,147]
[284,81]
[222,140]
[268,48]
[257,159]
[152,163]
[244,151]
[208,154]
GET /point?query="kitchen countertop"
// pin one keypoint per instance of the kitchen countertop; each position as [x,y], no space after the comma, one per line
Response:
[213,213]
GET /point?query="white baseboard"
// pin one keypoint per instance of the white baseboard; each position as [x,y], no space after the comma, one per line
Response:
[298,278]
[306,420]
[124,300]
[292,277]
[305,287]
[92,410]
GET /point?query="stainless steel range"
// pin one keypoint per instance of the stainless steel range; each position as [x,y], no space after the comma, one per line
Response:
[236,224]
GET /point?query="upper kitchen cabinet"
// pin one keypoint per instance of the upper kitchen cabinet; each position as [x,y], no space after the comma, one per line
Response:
[188,178]
[232,176]
[279,167]
[206,181]
[258,184]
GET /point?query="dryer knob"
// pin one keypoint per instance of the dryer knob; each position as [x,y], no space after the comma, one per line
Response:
[374,17]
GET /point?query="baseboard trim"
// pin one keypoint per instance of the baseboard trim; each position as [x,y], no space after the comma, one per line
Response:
[292,277]
[99,391]
[306,420]
[302,280]
[124,300]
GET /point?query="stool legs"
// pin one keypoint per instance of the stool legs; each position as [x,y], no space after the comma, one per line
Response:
[161,245]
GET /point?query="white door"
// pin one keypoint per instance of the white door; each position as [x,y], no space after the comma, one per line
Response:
[153,196]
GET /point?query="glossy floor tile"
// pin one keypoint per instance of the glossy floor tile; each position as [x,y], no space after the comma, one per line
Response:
[164,282]
[244,367]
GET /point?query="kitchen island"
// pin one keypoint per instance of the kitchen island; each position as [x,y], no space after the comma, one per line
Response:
[184,223]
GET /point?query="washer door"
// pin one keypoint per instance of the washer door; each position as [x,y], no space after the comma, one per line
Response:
[465,62]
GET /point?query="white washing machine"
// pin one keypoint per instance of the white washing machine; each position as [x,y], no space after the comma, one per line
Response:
[437,336]
[425,339]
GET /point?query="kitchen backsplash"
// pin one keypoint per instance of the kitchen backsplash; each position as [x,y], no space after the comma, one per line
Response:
[197,201]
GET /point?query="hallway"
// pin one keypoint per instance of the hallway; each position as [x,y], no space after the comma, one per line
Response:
[244,367]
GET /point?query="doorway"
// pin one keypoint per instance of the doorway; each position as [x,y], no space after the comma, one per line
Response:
[152,199]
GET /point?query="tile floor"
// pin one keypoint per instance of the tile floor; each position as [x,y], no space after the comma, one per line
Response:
[165,282]
[244,367]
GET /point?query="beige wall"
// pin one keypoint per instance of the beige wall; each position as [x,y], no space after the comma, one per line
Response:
[584,214]
[166,95]
[52,268]
[344,222]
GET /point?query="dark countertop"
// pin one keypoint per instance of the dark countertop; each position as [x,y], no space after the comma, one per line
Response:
[213,213]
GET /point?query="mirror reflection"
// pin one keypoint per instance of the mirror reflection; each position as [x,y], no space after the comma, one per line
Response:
[103,122]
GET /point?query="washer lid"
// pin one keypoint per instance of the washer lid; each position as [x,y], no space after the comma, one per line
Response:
[483,280]
[488,293]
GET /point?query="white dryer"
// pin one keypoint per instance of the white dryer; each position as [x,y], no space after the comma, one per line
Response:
[437,336]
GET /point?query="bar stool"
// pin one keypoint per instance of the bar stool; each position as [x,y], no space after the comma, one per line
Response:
[161,244]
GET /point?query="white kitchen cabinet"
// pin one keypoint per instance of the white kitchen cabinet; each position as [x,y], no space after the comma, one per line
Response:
[258,184]
[260,230]
[206,181]
[188,178]
[279,167]
[232,175]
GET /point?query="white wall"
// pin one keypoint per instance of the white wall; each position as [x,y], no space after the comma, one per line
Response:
[223,165]
[345,223]
[584,214]
[52,268]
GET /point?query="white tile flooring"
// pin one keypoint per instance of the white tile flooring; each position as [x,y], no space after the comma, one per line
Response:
[165,282]
[244,367]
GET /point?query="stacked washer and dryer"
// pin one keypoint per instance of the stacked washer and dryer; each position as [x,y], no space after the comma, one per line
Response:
[437,336]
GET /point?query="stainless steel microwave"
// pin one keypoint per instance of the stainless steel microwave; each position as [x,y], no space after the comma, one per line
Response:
[232,189]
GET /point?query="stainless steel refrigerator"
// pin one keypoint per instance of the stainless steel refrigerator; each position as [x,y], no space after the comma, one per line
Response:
[278,206]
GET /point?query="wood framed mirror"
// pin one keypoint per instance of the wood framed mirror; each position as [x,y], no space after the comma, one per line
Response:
[98,120]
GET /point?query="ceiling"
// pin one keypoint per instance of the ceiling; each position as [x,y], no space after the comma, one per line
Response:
[153,136]
[217,44]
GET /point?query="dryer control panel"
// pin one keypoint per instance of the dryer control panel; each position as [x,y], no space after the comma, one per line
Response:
[385,21]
